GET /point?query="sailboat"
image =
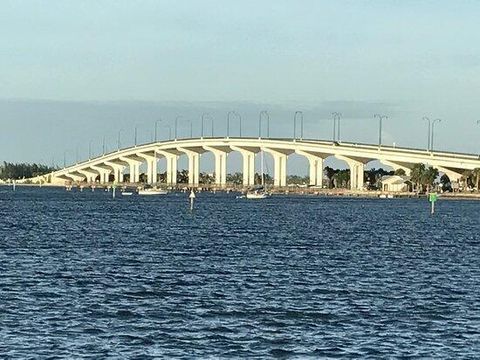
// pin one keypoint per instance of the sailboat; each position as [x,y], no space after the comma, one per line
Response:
[259,192]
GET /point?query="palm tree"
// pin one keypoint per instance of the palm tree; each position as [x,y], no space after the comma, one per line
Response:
[476,174]
[329,173]
[466,178]
[417,175]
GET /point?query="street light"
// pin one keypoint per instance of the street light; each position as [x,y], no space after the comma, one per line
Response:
[240,121]
[380,121]
[433,127]
[136,132]
[103,145]
[203,122]
[336,132]
[156,129]
[230,113]
[426,118]
[169,132]
[191,129]
[295,118]
[267,116]
[176,126]
[90,150]
[118,139]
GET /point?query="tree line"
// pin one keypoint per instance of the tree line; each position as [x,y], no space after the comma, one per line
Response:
[17,171]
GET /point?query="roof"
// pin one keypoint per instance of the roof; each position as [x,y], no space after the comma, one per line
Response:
[395,179]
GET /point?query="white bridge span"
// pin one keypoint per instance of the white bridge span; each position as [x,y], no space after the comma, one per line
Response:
[316,151]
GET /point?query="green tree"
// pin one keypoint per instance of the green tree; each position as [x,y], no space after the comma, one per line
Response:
[476,174]
[329,173]
[400,172]
[423,177]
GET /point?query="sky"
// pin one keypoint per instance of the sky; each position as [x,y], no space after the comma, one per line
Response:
[72,72]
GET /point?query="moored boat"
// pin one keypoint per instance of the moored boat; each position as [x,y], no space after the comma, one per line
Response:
[152,192]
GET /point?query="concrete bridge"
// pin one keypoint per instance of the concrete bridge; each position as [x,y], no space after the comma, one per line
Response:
[315,151]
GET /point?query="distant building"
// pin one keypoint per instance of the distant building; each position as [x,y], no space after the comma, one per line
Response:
[396,183]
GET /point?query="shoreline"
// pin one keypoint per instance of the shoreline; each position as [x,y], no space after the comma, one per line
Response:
[293,191]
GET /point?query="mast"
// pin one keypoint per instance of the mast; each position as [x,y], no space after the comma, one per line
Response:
[263,176]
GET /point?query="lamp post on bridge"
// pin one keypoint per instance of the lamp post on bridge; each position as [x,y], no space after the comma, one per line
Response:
[262,114]
[104,145]
[136,133]
[169,132]
[230,113]
[204,115]
[433,128]
[118,139]
[298,114]
[191,129]
[336,116]
[90,150]
[176,126]
[426,118]
[156,128]
[380,121]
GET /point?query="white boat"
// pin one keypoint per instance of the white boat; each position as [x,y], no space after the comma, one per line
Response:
[256,195]
[127,193]
[152,192]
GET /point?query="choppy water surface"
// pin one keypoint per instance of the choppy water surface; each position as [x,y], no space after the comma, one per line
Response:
[85,276]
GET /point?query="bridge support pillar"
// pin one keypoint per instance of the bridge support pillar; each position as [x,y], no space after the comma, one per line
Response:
[220,165]
[193,166]
[117,171]
[280,166]
[172,170]
[134,172]
[280,170]
[104,173]
[172,160]
[90,176]
[134,166]
[152,171]
[248,168]
[315,167]
[152,162]
[357,172]
[248,157]
[193,169]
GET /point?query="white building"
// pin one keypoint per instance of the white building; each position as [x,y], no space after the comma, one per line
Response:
[396,183]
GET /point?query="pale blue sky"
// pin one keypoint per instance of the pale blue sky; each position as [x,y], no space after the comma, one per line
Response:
[405,58]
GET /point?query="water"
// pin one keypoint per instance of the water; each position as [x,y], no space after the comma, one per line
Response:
[83,275]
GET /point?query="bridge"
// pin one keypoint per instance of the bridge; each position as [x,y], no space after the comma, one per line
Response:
[113,166]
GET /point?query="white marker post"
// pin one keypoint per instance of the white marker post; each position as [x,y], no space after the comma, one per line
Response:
[14,185]
[433,197]
[192,199]
[114,186]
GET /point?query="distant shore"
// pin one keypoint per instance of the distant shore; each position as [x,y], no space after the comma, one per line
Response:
[292,191]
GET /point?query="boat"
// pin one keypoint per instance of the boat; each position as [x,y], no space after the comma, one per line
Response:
[257,194]
[152,192]
[127,193]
